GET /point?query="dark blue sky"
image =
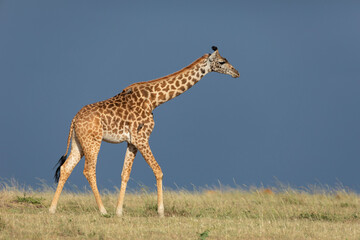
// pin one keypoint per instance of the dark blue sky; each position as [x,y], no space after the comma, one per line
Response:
[293,114]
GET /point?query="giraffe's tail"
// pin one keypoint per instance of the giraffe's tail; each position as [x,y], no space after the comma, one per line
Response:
[63,158]
[58,165]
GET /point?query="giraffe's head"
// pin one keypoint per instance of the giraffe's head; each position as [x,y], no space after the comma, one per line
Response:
[221,65]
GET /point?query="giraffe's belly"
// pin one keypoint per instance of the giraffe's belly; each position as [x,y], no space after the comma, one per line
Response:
[111,137]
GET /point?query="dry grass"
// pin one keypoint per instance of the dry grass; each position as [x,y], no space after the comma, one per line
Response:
[208,214]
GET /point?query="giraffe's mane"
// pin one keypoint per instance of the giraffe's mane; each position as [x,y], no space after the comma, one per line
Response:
[170,75]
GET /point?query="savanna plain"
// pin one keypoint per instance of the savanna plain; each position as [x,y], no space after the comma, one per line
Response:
[217,213]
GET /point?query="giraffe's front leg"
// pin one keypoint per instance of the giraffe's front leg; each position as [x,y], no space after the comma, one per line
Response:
[125,175]
[145,150]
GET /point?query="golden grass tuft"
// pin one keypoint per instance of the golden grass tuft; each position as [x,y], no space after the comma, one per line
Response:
[208,214]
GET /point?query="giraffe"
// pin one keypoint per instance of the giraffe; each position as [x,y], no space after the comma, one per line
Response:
[128,117]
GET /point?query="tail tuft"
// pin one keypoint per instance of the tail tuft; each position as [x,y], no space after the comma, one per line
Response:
[58,165]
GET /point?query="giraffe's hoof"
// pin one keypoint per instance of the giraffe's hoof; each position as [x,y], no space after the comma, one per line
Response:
[119,212]
[161,211]
[52,210]
[103,211]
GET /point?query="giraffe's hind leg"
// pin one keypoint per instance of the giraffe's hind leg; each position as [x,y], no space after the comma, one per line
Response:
[65,170]
[91,152]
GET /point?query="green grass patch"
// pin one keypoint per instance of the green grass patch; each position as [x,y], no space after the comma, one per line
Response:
[29,200]
[204,235]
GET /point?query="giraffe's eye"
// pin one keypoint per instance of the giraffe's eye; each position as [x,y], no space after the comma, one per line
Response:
[222,63]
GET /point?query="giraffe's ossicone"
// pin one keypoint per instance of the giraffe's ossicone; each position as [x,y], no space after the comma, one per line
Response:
[128,117]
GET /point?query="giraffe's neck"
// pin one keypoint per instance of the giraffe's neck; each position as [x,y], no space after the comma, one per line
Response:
[161,90]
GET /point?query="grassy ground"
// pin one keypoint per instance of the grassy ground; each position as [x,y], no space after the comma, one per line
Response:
[208,214]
